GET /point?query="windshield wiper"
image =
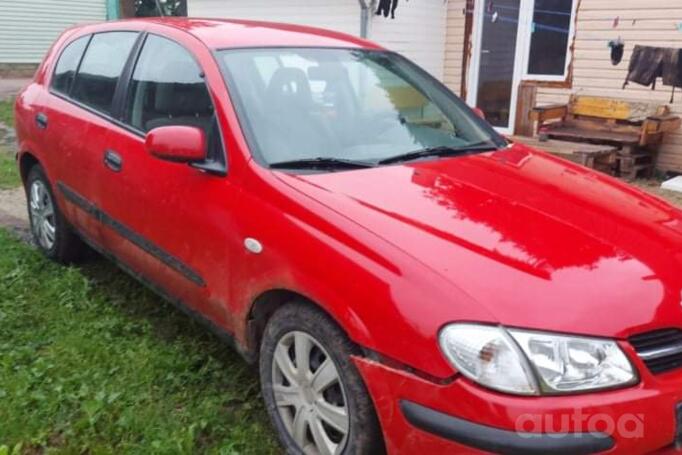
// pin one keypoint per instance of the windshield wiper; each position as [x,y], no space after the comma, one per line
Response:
[321,163]
[439,151]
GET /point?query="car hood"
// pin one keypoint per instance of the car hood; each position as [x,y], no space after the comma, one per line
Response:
[540,242]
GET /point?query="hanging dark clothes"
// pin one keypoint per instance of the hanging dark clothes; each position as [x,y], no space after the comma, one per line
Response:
[648,63]
[387,7]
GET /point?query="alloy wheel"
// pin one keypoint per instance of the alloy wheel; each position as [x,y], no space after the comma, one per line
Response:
[310,395]
[43,220]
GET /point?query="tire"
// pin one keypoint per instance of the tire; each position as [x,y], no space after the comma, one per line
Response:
[50,230]
[344,401]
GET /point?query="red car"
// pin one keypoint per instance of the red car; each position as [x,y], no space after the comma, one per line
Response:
[405,278]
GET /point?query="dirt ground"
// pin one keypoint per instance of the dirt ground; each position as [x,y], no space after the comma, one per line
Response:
[13,203]
[13,213]
[10,87]
[654,186]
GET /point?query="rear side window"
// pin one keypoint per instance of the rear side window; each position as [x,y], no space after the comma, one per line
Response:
[167,88]
[68,65]
[101,68]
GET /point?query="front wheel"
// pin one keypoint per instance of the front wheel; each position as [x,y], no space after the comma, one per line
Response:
[313,392]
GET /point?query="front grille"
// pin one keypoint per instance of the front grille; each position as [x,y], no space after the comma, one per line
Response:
[661,350]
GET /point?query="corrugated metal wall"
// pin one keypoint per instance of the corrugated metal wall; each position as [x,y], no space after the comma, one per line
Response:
[28,27]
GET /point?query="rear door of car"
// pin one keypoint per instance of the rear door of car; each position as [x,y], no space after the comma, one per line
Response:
[78,117]
[167,221]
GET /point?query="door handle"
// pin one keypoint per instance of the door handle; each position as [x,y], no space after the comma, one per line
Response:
[41,120]
[113,161]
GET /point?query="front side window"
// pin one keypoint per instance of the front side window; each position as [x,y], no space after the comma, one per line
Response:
[343,104]
[549,37]
[167,88]
[102,65]
[67,65]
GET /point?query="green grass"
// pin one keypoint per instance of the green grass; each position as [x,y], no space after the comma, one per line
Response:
[9,173]
[91,362]
[7,112]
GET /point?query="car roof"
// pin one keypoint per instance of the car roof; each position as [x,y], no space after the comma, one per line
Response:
[233,33]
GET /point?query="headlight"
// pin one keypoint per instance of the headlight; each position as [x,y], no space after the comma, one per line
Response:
[568,364]
[533,363]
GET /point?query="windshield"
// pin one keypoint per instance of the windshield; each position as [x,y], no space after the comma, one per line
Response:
[341,104]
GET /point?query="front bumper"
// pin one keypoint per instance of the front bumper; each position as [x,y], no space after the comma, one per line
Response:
[420,416]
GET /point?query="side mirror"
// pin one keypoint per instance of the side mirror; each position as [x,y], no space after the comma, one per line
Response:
[179,144]
[478,111]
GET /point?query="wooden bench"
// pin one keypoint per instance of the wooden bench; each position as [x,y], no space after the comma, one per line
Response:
[596,156]
[636,128]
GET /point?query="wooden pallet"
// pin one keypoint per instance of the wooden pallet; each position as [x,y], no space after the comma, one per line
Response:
[634,165]
[603,158]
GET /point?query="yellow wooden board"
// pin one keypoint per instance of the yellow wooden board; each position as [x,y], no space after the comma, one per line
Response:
[398,97]
[592,106]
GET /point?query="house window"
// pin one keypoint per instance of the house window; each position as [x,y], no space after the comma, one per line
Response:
[551,30]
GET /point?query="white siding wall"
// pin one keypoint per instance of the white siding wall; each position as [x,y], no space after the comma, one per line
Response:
[339,15]
[655,25]
[28,27]
[454,44]
[417,32]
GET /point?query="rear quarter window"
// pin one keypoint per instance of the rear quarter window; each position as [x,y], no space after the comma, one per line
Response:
[101,68]
[67,65]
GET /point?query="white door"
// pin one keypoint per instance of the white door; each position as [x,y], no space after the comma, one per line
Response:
[339,15]
[496,67]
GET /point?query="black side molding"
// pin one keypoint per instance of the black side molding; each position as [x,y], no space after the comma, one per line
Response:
[502,441]
[133,237]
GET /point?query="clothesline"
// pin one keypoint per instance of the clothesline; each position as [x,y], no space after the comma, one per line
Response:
[543,11]
[536,25]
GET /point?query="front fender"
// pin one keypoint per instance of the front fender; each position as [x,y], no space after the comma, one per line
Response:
[385,300]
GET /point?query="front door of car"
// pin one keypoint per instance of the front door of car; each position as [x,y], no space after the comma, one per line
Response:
[167,221]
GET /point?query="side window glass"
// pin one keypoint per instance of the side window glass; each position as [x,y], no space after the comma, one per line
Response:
[101,68]
[68,64]
[167,89]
